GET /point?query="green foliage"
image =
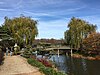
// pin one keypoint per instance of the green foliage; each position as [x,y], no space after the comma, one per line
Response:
[42,68]
[22,29]
[51,71]
[17,50]
[78,30]
[1,56]
[27,53]
[5,38]
[34,62]
[48,71]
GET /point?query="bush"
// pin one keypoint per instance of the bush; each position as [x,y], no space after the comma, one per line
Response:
[34,62]
[27,53]
[44,69]
[1,56]
[45,62]
[26,56]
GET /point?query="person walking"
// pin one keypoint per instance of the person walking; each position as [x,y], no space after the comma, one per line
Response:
[10,53]
[7,51]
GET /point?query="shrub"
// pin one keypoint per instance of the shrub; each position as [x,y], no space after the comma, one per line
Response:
[1,56]
[45,62]
[27,53]
[34,62]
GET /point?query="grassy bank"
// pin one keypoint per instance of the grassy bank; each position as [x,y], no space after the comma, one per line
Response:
[44,69]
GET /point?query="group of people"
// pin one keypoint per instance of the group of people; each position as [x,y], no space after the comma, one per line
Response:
[9,52]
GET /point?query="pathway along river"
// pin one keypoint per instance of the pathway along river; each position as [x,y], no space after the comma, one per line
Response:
[76,66]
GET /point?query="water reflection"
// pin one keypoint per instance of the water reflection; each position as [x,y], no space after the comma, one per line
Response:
[74,66]
[84,65]
[59,62]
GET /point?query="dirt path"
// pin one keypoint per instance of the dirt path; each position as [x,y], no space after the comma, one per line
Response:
[17,65]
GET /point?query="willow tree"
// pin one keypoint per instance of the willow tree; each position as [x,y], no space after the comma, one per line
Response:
[78,30]
[22,29]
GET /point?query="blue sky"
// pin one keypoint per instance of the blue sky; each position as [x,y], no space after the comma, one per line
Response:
[53,15]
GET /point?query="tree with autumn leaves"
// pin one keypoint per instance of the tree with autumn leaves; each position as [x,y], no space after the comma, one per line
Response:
[92,42]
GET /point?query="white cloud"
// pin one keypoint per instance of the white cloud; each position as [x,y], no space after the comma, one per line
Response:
[37,14]
[52,2]
[5,9]
[55,13]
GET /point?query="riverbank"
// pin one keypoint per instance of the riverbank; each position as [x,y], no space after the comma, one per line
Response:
[86,57]
[44,68]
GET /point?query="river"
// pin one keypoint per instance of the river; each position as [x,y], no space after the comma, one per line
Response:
[76,66]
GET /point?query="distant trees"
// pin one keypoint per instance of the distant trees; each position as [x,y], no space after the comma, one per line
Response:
[78,30]
[22,29]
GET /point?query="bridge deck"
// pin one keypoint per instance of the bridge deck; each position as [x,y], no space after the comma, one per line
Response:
[58,48]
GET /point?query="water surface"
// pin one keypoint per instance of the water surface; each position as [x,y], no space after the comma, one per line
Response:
[76,66]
